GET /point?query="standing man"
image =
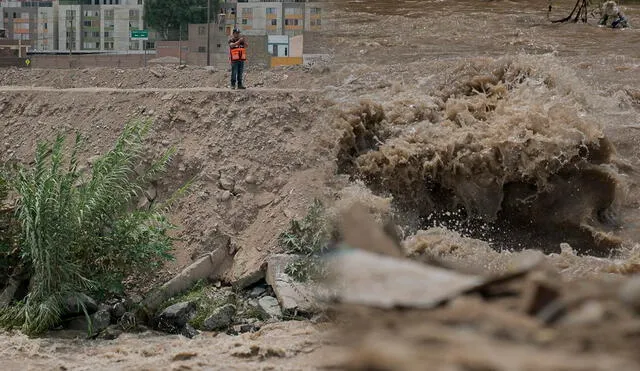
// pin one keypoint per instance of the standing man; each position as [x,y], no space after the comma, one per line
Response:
[238,54]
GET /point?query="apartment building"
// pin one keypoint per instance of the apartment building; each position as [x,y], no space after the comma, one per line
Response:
[99,25]
[279,17]
[32,22]
[73,25]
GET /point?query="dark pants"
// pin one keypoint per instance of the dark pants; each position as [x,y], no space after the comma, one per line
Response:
[237,68]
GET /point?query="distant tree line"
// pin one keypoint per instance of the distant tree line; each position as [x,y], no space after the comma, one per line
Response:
[171,17]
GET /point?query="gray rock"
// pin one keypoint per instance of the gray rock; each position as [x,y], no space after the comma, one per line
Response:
[210,69]
[248,327]
[110,333]
[250,179]
[157,74]
[188,331]
[257,291]
[227,183]
[225,196]
[73,305]
[221,318]
[174,318]
[127,321]
[270,306]
[100,320]
[118,310]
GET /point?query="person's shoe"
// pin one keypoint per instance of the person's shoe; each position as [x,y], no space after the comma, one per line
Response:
[241,87]
[233,86]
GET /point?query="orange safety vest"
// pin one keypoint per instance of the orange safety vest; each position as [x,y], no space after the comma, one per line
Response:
[238,54]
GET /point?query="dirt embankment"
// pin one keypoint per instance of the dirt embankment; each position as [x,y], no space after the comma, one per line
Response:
[256,158]
[162,77]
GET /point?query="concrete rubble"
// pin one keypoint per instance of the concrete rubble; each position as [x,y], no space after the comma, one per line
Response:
[293,296]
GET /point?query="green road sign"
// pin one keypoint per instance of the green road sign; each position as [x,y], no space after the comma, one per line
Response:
[140,35]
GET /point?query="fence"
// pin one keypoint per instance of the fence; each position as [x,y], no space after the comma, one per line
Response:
[13,62]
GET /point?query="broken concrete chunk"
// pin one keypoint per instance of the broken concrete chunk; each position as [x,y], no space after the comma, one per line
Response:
[249,279]
[270,306]
[293,296]
[209,266]
[376,280]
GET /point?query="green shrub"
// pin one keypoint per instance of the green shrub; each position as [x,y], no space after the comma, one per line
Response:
[78,233]
[9,233]
[308,238]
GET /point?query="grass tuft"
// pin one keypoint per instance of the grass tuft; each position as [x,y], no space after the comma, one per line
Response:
[308,238]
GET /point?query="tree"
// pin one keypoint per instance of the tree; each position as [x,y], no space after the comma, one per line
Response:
[167,17]
[580,12]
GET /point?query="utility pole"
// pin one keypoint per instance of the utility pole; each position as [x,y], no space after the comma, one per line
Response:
[208,32]
[180,44]
[70,34]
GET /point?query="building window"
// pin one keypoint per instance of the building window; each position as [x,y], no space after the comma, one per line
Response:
[202,49]
[293,11]
[201,30]
[271,11]
[274,22]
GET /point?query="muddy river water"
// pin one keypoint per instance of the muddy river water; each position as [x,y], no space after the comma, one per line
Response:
[422,48]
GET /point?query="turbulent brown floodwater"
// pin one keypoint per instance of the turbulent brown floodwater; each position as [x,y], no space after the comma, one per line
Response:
[541,120]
